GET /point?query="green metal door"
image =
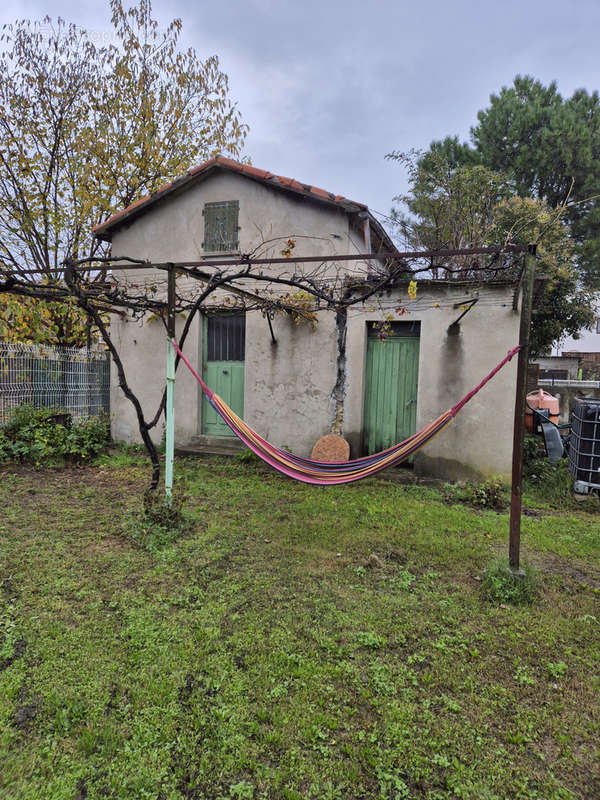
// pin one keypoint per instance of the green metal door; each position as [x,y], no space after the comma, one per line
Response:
[391,387]
[223,346]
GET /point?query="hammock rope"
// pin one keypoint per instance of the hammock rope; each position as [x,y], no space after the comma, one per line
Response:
[326,473]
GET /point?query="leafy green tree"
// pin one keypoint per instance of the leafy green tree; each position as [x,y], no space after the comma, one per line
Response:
[549,147]
[449,207]
[456,207]
[27,319]
[454,152]
[561,306]
[541,140]
[86,130]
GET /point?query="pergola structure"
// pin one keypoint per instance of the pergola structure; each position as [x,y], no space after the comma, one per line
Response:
[88,281]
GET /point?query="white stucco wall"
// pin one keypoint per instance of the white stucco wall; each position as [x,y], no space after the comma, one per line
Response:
[174,231]
[288,386]
[479,441]
[143,346]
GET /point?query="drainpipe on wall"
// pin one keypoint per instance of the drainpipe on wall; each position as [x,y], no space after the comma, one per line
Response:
[364,215]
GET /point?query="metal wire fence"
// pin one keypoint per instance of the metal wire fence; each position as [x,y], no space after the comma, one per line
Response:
[72,380]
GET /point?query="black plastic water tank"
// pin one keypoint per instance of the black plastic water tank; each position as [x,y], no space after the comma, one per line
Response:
[584,446]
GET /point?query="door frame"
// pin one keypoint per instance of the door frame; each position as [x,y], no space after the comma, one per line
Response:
[203,350]
[400,330]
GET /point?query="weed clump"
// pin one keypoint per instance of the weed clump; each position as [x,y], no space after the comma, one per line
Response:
[548,483]
[248,458]
[159,523]
[501,585]
[490,494]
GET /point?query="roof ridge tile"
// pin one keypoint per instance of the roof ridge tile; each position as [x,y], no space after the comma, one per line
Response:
[246,169]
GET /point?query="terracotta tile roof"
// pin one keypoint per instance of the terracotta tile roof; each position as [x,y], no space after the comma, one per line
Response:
[103,230]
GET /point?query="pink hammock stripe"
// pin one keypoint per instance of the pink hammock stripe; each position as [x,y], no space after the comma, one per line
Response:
[324,473]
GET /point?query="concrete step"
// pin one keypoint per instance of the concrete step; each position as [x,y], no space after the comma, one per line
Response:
[212,445]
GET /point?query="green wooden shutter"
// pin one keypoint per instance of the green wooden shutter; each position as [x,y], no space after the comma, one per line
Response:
[221,226]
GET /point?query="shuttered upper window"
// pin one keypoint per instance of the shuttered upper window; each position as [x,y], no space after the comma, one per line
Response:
[221,226]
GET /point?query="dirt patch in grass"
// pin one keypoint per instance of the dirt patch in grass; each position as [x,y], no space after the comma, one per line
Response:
[18,649]
[25,714]
[107,545]
[574,570]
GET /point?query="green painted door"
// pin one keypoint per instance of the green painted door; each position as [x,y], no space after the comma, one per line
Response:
[224,343]
[391,387]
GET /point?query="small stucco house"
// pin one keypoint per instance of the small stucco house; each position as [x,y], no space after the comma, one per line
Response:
[293,383]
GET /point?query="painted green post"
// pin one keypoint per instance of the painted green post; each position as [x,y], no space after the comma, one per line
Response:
[170,400]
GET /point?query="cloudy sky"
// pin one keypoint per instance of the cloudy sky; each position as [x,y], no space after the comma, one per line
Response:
[329,87]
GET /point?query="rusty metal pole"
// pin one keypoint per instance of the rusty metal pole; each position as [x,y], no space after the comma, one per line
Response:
[514,544]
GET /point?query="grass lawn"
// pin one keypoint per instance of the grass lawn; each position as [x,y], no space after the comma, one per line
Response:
[296,642]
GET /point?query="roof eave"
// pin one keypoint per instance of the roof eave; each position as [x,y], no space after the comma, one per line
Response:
[104,230]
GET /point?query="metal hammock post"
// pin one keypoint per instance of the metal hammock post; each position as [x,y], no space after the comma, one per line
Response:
[516,496]
[170,399]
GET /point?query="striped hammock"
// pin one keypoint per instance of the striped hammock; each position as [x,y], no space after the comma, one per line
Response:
[326,473]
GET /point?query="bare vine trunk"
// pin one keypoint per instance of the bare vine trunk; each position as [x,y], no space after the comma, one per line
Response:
[143,426]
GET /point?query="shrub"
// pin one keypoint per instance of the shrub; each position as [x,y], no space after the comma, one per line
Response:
[6,448]
[549,483]
[552,484]
[46,436]
[533,452]
[86,438]
[501,585]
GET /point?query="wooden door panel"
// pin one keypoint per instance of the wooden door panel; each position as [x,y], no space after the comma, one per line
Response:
[390,391]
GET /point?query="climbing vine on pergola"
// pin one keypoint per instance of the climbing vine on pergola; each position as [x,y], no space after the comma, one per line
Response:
[305,286]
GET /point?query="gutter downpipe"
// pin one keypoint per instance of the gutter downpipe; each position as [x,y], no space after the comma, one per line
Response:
[364,215]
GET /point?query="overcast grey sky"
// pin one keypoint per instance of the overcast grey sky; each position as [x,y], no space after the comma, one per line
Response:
[328,88]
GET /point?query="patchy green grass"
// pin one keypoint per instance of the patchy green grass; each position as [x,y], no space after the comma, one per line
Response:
[295,642]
